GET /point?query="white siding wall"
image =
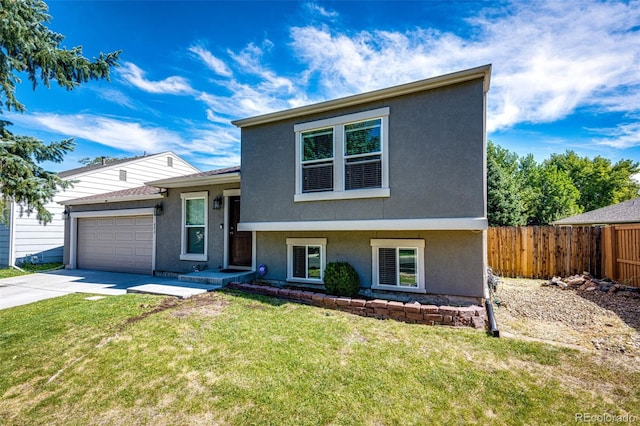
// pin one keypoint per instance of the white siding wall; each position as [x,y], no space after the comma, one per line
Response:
[46,241]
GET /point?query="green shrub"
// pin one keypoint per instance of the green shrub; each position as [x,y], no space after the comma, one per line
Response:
[341,279]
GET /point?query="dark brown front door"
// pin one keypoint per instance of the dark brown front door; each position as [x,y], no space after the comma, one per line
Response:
[239,241]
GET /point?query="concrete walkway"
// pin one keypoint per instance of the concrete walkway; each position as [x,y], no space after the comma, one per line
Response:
[31,288]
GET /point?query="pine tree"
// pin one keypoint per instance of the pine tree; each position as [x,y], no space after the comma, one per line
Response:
[28,46]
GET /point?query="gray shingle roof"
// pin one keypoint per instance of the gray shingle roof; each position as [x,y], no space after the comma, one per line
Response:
[124,194]
[625,212]
[92,167]
[234,169]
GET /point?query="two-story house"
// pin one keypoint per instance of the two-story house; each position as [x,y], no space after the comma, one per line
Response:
[391,181]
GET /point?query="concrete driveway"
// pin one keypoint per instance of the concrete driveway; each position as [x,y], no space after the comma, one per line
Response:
[31,288]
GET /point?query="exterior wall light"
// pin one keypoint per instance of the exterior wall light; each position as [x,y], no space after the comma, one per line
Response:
[157,209]
[217,202]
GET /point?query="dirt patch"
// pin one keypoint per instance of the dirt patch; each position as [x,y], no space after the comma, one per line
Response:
[206,304]
[605,324]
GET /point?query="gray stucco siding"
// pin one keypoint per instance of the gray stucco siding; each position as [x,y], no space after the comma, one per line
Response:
[453,262]
[436,162]
[169,235]
[169,228]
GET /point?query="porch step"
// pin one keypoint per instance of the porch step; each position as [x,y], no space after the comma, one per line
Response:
[217,277]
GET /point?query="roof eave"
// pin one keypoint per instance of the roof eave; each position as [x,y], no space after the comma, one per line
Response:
[79,201]
[483,71]
[198,181]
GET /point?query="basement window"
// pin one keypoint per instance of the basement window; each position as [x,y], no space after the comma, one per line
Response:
[306,259]
[398,265]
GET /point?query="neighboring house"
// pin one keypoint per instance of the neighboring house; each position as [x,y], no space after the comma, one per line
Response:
[24,239]
[391,181]
[624,212]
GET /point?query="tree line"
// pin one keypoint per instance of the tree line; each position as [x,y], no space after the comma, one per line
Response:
[521,191]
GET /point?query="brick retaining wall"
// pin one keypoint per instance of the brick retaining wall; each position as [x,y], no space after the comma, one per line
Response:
[411,312]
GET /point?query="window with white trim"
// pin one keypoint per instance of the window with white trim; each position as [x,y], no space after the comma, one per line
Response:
[306,259]
[194,226]
[398,265]
[317,160]
[343,157]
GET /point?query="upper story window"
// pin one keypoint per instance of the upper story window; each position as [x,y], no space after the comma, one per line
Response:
[363,155]
[123,175]
[317,160]
[170,161]
[343,157]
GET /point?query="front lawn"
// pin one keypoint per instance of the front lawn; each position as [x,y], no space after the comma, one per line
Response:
[232,358]
[28,269]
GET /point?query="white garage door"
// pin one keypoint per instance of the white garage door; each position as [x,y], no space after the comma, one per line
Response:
[119,244]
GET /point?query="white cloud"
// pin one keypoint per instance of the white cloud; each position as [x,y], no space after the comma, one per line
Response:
[217,146]
[174,85]
[213,63]
[115,96]
[315,8]
[115,133]
[549,58]
[625,135]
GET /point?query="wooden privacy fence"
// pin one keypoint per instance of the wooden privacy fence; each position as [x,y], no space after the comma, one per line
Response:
[621,253]
[545,251]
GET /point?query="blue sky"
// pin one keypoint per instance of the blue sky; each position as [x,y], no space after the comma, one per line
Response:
[566,74]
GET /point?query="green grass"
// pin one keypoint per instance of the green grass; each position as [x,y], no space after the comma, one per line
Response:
[28,269]
[230,358]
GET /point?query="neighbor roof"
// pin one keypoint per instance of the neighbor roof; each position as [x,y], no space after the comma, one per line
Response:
[483,71]
[131,194]
[109,163]
[226,175]
[625,212]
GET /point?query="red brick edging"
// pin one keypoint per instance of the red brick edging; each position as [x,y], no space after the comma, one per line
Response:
[412,312]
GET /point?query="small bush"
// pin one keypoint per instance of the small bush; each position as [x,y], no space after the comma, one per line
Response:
[341,279]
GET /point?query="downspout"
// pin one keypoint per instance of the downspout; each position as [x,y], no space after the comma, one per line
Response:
[493,326]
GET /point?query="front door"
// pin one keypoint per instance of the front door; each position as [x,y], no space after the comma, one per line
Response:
[239,241]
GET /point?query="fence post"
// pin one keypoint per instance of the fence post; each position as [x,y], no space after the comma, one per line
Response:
[608,241]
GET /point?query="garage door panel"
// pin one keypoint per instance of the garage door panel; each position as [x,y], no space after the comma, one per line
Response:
[120,244]
[125,236]
[125,251]
[144,236]
[142,251]
[125,221]
[104,222]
